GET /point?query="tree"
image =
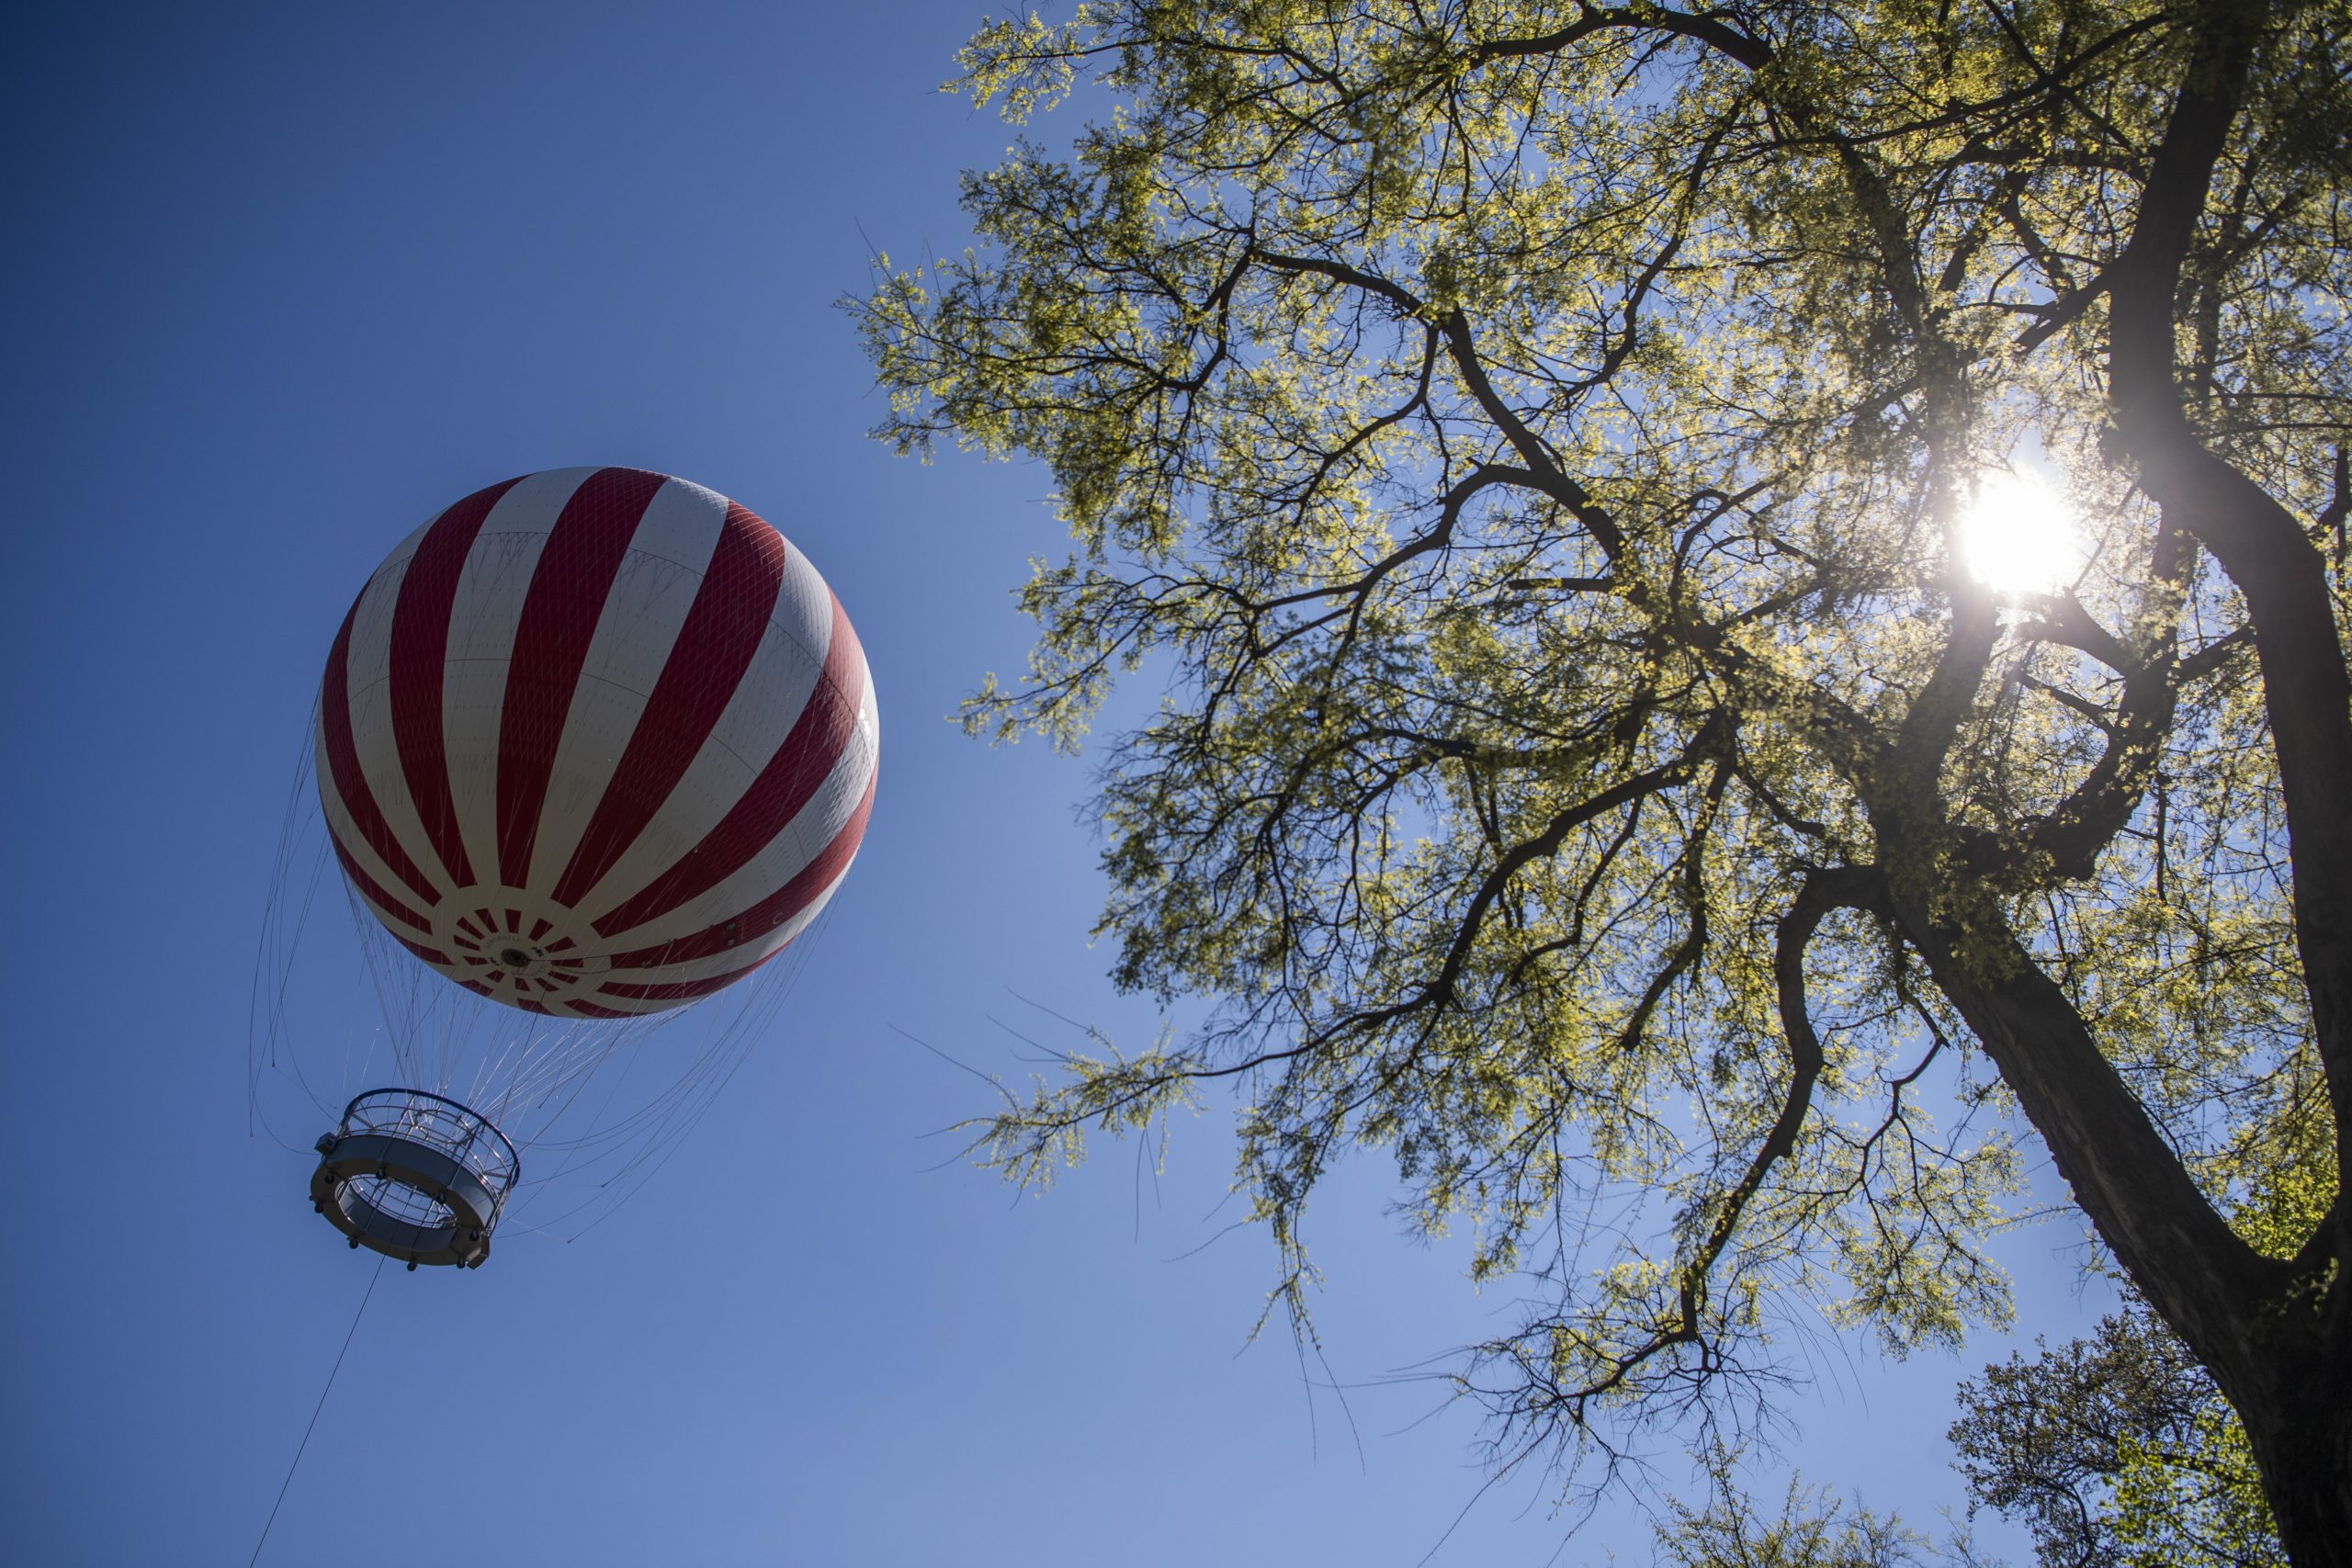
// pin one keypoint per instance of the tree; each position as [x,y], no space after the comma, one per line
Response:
[2118,1451]
[1536,444]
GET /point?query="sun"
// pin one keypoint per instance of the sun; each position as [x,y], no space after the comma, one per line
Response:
[2019,536]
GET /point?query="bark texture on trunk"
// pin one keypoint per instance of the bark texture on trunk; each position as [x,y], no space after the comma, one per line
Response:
[2302,1444]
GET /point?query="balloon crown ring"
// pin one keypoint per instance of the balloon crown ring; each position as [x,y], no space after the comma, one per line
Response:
[415,1176]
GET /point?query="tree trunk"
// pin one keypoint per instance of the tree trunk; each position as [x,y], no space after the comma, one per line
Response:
[2301,1436]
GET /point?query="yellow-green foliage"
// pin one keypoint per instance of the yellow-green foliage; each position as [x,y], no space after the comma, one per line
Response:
[1529,441]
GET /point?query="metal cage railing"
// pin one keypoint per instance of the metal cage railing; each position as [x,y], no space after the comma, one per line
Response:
[416,1176]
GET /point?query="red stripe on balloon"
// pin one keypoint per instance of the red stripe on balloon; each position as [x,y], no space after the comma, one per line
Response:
[574,579]
[590,1009]
[678,991]
[350,783]
[715,646]
[419,663]
[374,894]
[804,761]
[769,912]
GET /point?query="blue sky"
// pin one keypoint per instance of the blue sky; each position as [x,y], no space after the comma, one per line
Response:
[285,281]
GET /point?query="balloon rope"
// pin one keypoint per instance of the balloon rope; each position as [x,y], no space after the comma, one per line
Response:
[313,1426]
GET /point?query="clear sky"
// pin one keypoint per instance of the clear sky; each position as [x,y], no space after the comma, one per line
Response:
[281,283]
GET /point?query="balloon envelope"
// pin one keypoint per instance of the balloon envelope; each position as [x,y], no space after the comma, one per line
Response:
[595,742]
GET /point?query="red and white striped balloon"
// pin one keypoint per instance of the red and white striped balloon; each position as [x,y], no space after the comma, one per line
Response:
[595,742]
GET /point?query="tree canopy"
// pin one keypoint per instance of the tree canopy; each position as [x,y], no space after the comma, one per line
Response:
[1548,456]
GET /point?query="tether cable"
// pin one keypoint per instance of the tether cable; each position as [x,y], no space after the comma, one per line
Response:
[313,1426]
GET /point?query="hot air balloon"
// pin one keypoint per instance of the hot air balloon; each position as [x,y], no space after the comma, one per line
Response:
[591,744]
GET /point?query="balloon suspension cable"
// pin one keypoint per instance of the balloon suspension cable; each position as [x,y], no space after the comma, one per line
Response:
[349,1335]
